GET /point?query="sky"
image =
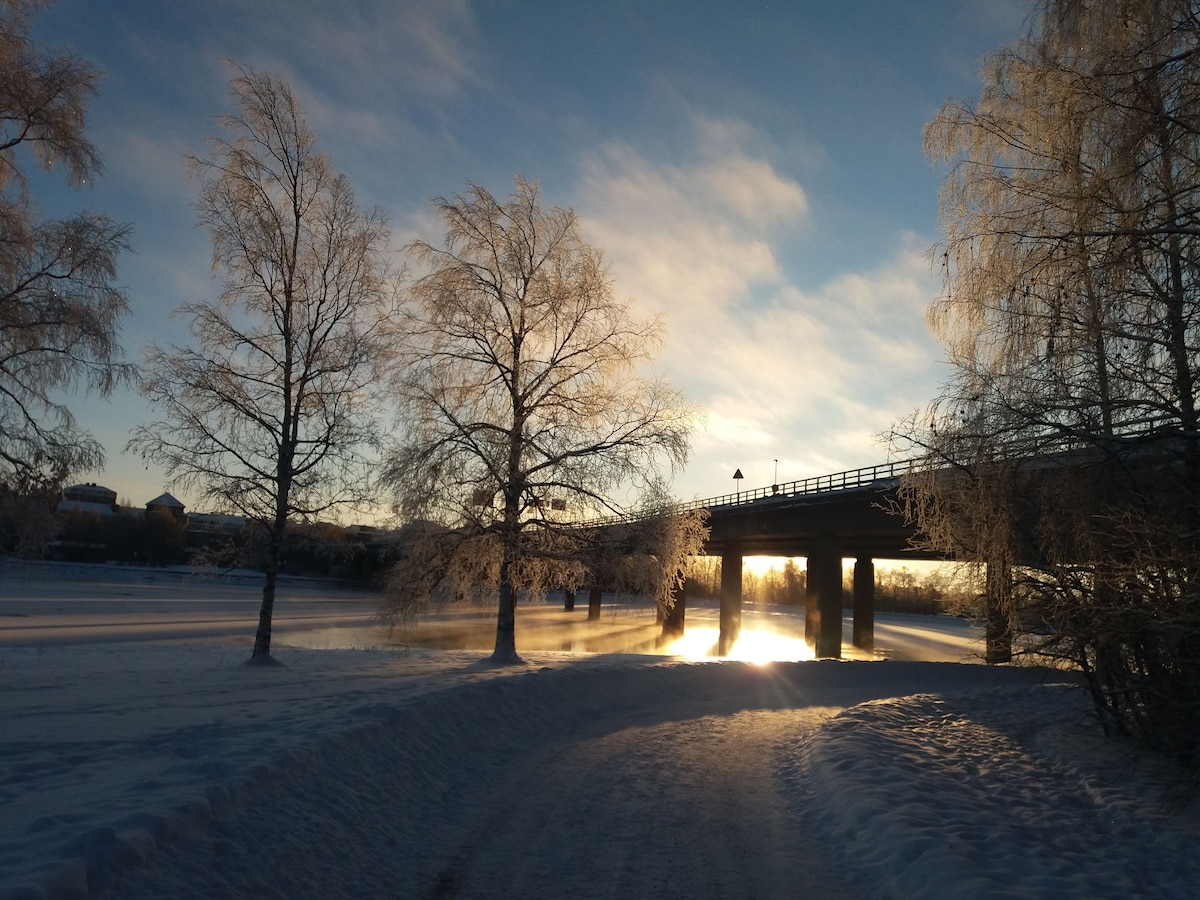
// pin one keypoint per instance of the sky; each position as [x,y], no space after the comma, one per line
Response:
[752,171]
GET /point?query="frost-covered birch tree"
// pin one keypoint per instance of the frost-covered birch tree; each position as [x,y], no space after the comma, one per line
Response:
[268,412]
[60,306]
[1062,454]
[523,410]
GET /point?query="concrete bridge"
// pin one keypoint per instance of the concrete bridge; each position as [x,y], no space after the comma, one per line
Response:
[825,519]
[846,516]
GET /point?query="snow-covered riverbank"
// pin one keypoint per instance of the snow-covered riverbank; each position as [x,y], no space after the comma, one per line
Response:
[145,768]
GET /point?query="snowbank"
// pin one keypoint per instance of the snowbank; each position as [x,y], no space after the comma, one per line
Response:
[150,771]
[137,764]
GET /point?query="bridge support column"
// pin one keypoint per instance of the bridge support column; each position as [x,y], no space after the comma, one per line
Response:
[997,604]
[864,602]
[825,600]
[812,613]
[731,598]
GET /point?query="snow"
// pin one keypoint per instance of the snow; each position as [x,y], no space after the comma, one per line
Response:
[139,758]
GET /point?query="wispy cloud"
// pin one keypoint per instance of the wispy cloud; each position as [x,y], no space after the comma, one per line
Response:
[389,56]
[686,235]
[706,241]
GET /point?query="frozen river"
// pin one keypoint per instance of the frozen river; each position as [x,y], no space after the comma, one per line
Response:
[61,604]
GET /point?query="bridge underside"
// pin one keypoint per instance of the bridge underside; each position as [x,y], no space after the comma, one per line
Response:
[826,529]
[823,602]
[852,515]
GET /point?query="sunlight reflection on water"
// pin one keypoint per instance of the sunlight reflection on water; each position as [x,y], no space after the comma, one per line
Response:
[752,645]
[768,634]
[765,636]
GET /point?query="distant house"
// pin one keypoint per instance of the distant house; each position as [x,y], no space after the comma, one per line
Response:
[166,503]
[87,515]
[89,498]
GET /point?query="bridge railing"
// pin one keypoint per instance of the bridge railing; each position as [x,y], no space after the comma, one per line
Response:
[884,472]
[818,484]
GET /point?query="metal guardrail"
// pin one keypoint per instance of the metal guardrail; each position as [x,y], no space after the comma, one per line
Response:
[819,484]
[1060,439]
[856,478]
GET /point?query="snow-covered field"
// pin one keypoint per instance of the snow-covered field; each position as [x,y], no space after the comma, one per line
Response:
[139,758]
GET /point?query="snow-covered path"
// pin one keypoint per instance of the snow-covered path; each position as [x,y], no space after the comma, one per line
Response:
[701,816]
[581,777]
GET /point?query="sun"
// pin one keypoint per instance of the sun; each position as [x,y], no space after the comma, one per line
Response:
[761,565]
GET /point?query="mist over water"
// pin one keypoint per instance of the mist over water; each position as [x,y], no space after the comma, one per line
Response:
[71,604]
[767,633]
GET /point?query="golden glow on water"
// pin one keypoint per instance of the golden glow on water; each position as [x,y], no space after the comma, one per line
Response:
[753,645]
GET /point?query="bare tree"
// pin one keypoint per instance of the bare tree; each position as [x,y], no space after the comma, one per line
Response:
[269,413]
[1065,445]
[523,411]
[59,306]
[646,555]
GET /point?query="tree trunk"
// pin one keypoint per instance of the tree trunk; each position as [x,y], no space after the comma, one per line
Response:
[673,619]
[262,637]
[505,652]
[568,601]
[997,613]
[594,595]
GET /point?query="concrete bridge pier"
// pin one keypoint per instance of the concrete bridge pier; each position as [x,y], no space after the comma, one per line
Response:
[823,602]
[731,598]
[811,613]
[864,603]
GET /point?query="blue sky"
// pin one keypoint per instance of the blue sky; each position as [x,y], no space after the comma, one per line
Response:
[752,170]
